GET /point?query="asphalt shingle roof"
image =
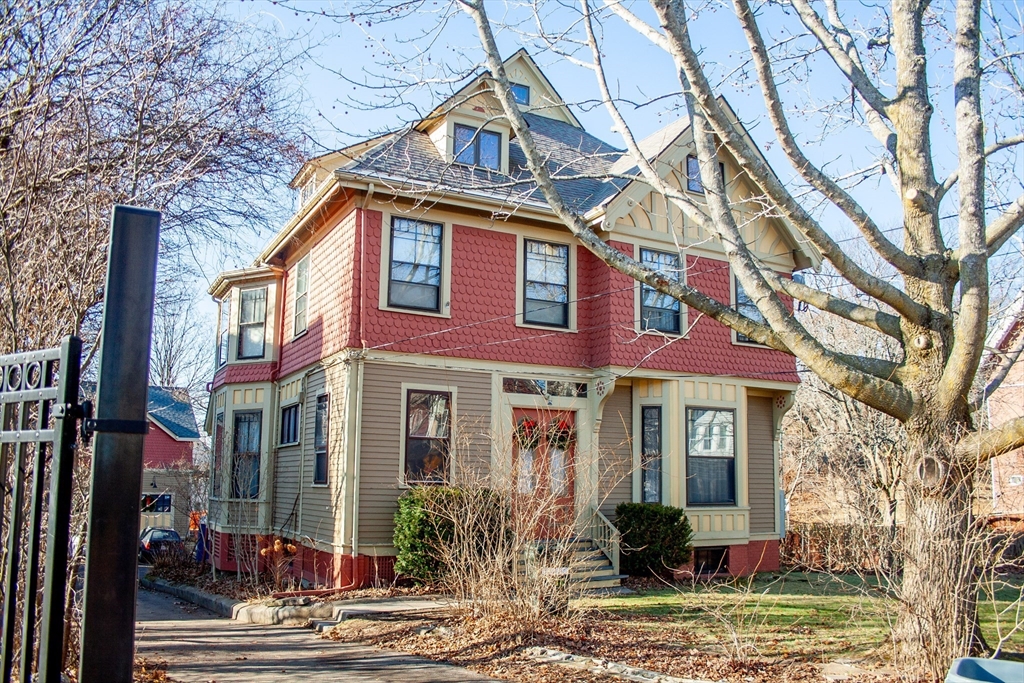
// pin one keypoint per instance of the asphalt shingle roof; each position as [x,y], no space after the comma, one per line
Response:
[410,160]
[169,406]
[173,410]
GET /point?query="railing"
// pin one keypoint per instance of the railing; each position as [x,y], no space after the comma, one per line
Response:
[604,534]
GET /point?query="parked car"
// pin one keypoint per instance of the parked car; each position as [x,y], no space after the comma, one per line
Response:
[156,541]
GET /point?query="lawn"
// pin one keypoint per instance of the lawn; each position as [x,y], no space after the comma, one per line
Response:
[805,616]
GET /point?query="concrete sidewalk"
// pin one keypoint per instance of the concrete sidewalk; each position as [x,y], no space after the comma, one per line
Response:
[200,647]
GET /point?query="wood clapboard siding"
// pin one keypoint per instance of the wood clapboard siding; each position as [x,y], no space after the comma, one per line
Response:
[381,449]
[761,464]
[616,451]
[286,486]
[318,509]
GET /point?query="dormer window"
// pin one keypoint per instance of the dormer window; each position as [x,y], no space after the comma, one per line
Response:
[521,93]
[307,191]
[477,147]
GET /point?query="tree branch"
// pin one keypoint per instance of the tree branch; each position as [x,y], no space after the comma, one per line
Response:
[879,321]
[1003,369]
[818,180]
[981,447]
[990,150]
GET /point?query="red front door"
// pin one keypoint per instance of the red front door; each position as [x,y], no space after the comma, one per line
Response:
[544,463]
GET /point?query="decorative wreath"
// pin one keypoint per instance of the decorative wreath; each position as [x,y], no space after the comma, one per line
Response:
[527,434]
[561,434]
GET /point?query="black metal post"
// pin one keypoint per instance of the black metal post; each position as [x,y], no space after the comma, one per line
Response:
[111,569]
[51,629]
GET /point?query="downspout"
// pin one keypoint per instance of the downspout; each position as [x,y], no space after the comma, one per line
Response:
[275,396]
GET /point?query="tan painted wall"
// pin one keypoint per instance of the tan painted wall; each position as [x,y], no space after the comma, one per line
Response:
[380,458]
[616,451]
[319,514]
[761,464]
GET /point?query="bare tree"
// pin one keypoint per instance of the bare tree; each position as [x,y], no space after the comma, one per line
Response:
[161,103]
[931,300]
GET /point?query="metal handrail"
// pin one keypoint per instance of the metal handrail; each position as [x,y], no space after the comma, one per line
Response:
[603,533]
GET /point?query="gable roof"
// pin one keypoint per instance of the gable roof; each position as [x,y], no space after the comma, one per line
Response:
[170,408]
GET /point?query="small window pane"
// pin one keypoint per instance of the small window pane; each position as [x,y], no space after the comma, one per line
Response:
[465,145]
[490,150]
[428,436]
[693,182]
[651,454]
[320,435]
[521,93]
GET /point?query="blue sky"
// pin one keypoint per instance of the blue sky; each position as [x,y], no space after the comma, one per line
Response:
[347,60]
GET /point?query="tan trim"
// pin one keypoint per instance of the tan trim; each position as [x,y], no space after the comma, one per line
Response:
[573,290]
[384,274]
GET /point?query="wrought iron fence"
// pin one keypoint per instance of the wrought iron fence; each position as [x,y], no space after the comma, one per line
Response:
[38,430]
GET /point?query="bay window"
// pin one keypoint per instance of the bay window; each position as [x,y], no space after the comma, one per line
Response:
[650,454]
[252,319]
[245,466]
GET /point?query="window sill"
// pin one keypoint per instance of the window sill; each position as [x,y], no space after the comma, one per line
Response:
[750,345]
[716,507]
[300,335]
[549,328]
[320,486]
[415,311]
[290,444]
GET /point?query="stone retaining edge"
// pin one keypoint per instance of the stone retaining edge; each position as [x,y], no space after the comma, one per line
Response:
[268,615]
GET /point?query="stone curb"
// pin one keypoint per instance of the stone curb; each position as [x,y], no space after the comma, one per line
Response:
[267,615]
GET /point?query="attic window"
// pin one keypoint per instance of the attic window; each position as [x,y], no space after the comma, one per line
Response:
[475,147]
[693,181]
[521,93]
[307,191]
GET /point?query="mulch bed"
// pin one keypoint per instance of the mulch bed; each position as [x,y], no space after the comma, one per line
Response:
[494,647]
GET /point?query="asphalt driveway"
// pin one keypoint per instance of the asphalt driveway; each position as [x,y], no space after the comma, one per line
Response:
[201,647]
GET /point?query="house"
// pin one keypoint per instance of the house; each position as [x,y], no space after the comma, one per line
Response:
[1005,404]
[167,459]
[424,284]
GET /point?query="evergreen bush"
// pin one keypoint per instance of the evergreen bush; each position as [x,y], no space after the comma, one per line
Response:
[655,538]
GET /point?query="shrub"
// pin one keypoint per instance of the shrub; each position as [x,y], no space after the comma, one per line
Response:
[655,538]
[418,532]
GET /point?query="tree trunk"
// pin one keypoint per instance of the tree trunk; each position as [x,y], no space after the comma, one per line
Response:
[938,612]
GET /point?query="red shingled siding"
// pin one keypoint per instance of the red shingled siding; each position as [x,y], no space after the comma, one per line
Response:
[244,372]
[483,301]
[333,298]
[162,450]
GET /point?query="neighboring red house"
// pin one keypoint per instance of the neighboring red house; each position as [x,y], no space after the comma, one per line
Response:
[1007,403]
[167,455]
[425,291]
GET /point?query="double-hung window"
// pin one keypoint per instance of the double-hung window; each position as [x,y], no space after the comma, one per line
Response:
[477,147]
[245,471]
[301,296]
[546,288]
[222,331]
[428,419]
[415,274]
[320,432]
[710,456]
[290,425]
[746,306]
[660,311]
[693,180]
[650,455]
[252,319]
